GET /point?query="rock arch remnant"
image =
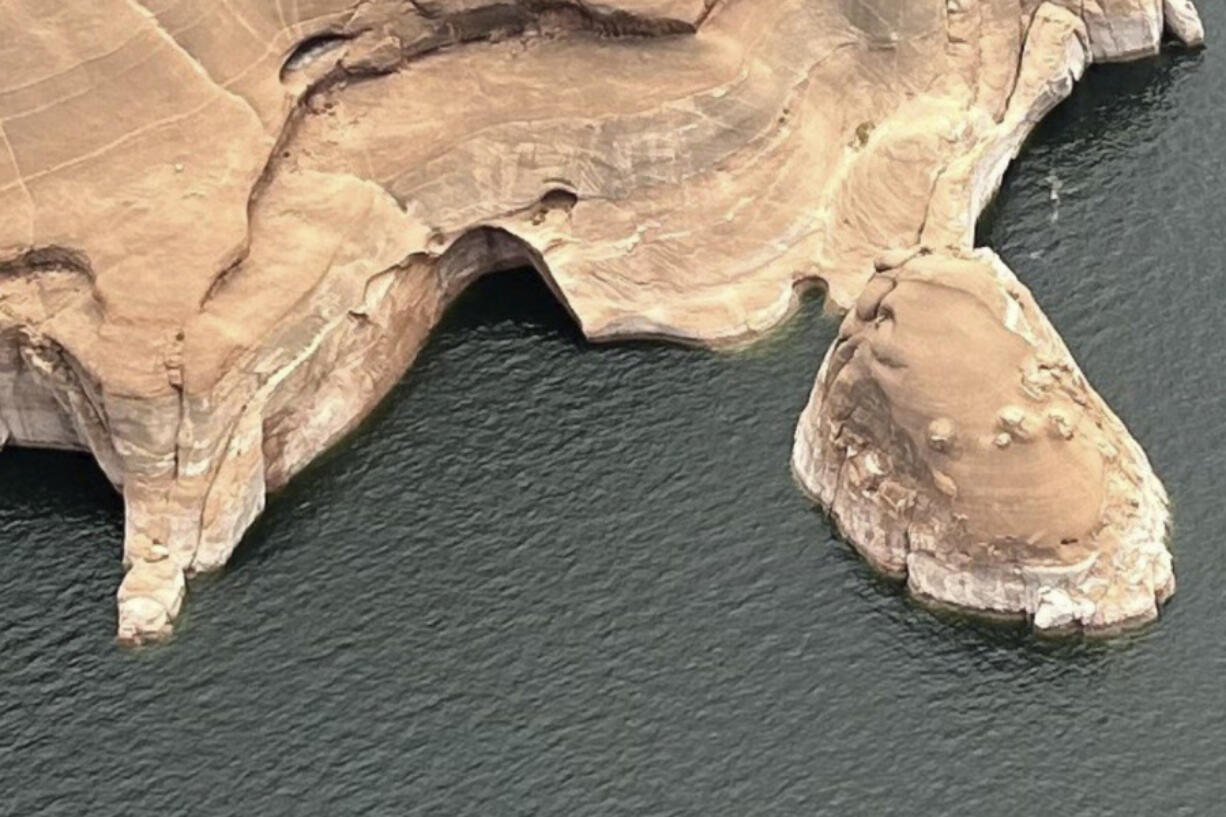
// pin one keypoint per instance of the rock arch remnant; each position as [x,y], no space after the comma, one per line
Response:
[219,248]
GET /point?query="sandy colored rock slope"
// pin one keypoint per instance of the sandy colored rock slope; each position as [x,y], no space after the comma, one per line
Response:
[227,228]
[956,443]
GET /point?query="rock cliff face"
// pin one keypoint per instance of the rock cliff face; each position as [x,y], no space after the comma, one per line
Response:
[226,229]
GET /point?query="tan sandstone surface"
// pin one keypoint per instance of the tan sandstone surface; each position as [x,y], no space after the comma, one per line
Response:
[227,228]
[956,443]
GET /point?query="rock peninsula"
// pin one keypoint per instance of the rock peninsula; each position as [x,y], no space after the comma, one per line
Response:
[956,443]
[226,229]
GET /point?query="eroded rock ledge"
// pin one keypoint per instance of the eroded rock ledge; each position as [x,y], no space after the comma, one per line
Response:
[227,229]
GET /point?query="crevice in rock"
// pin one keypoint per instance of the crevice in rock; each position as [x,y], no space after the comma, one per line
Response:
[311,50]
[711,6]
[52,257]
[1021,63]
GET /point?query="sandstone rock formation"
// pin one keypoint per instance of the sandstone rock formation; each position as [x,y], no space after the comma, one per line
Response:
[956,443]
[227,228]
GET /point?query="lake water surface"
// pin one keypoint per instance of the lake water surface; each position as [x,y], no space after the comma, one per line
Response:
[550,578]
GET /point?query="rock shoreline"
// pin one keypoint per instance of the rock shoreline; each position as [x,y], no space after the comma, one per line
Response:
[1023,495]
[225,237]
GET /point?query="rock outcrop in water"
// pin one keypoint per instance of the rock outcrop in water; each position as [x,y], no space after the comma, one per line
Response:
[226,229]
[956,443]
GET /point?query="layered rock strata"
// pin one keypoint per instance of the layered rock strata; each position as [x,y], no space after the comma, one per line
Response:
[226,229]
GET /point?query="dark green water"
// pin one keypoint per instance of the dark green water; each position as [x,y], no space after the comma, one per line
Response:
[556,579]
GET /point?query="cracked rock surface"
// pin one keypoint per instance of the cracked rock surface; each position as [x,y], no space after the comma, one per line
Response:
[227,228]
